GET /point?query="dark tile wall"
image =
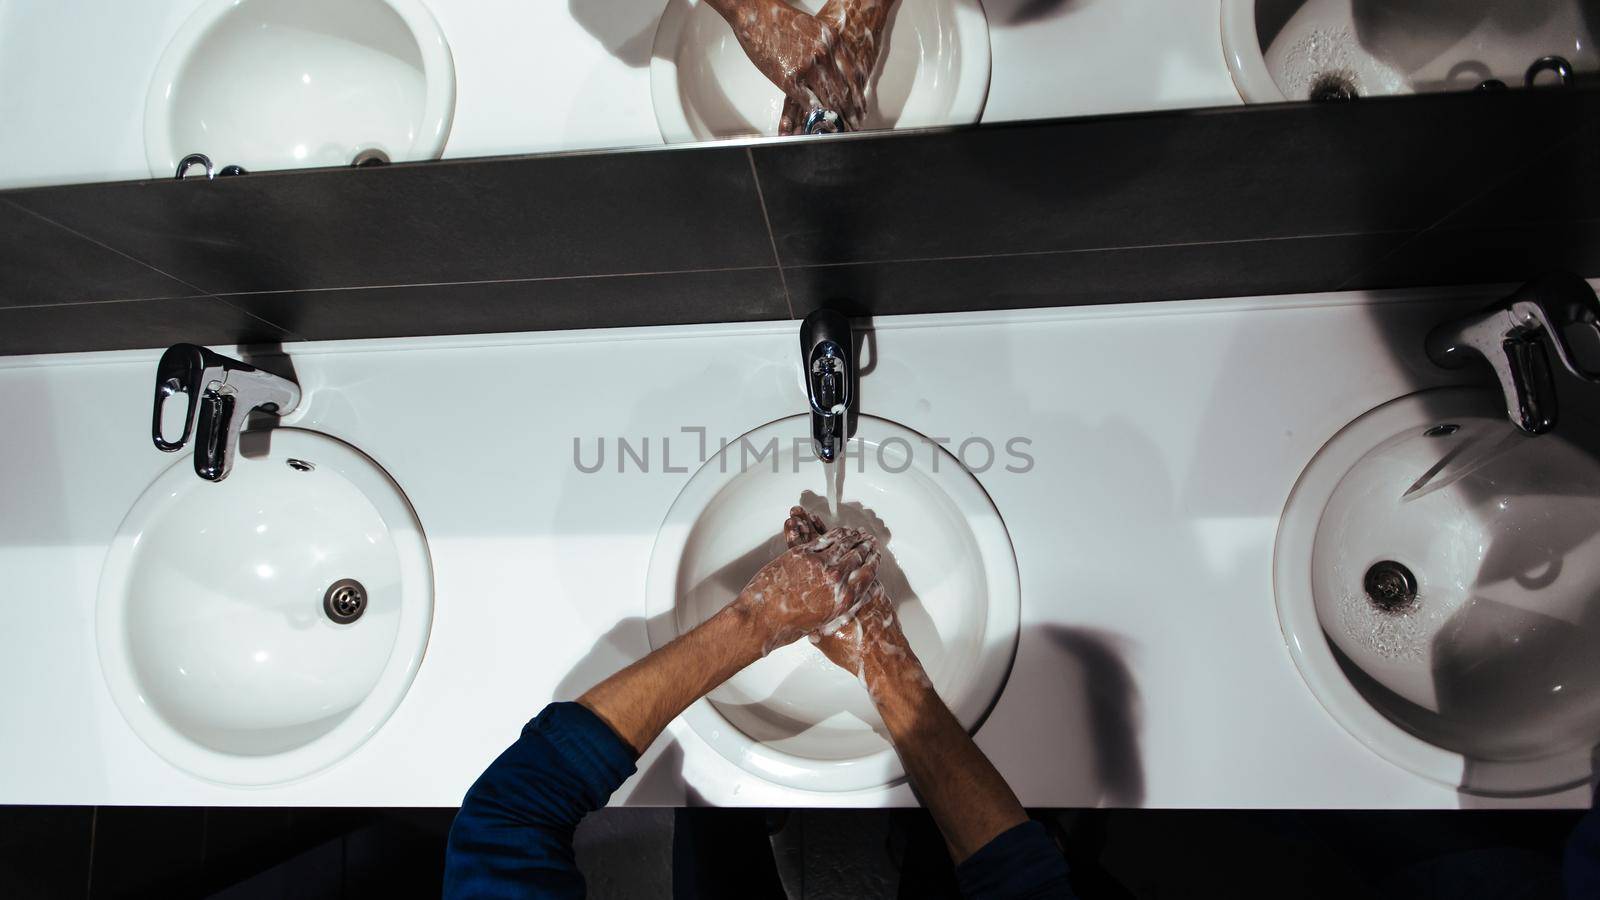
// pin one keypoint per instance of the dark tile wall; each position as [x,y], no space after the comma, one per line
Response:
[584,240]
[113,852]
[1443,189]
[1449,189]
[301,854]
[45,851]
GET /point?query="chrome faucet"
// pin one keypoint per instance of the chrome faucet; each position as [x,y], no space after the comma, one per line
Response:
[222,394]
[825,349]
[1515,335]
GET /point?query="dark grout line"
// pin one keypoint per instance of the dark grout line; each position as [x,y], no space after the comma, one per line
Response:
[287,332]
[68,303]
[535,279]
[1015,254]
[94,822]
[213,298]
[1355,276]
[1494,185]
[761,198]
[222,295]
[205,816]
[103,245]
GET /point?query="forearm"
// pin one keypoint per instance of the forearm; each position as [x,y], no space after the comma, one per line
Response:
[640,700]
[739,14]
[967,797]
[790,596]
[865,19]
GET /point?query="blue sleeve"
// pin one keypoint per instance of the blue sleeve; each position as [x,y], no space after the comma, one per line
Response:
[513,835]
[1021,862]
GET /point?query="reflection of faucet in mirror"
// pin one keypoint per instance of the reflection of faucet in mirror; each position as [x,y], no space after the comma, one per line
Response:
[1558,311]
[222,394]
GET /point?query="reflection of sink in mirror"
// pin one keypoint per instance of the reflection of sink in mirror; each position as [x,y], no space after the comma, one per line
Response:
[259,629]
[1438,582]
[1303,49]
[934,71]
[280,84]
[793,717]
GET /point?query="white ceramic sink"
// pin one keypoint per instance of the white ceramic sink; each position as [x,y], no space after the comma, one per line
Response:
[1282,49]
[934,71]
[1438,582]
[794,718]
[279,84]
[213,632]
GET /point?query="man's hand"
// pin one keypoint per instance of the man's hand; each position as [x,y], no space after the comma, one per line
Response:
[795,594]
[868,636]
[802,527]
[872,634]
[815,582]
[968,798]
[859,25]
[803,55]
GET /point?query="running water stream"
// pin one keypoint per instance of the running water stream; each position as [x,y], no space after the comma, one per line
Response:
[833,472]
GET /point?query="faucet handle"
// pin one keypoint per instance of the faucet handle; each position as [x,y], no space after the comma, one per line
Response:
[182,370]
[222,394]
[193,370]
[1557,305]
[829,372]
[1512,337]
[825,349]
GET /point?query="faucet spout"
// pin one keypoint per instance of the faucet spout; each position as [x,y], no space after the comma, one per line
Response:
[1515,337]
[222,393]
[825,351]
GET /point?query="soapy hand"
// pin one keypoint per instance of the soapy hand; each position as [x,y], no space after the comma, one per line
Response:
[803,55]
[802,527]
[812,584]
[859,25]
[872,632]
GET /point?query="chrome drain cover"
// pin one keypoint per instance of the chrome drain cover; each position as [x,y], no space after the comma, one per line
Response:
[1390,586]
[344,601]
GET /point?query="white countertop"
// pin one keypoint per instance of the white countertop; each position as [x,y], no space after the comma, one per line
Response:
[544,76]
[1151,669]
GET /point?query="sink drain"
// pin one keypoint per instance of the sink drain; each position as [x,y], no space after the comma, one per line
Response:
[344,601]
[1333,86]
[1390,586]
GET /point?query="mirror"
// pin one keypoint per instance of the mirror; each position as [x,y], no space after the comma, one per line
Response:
[107,90]
[1297,50]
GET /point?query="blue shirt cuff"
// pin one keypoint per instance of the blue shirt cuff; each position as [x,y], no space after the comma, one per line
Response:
[1021,862]
[586,743]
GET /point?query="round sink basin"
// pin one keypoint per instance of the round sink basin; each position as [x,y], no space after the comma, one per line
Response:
[282,84]
[794,718]
[934,70]
[259,629]
[1438,582]
[1281,50]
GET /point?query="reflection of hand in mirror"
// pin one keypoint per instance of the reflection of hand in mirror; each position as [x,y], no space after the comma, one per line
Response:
[859,25]
[812,59]
[810,585]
